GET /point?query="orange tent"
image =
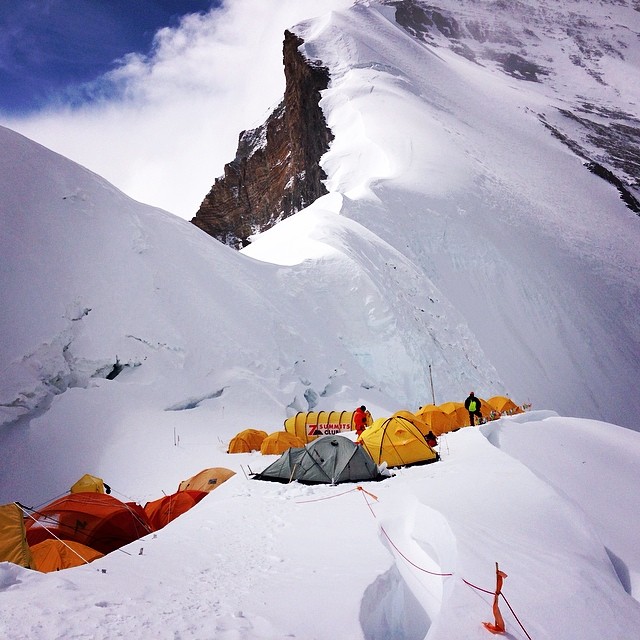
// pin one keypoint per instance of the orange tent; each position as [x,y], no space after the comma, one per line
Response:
[279,441]
[162,511]
[247,441]
[53,555]
[97,520]
[502,404]
[207,479]
[435,418]
[458,415]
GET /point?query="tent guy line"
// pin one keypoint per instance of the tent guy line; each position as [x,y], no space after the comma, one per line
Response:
[496,593]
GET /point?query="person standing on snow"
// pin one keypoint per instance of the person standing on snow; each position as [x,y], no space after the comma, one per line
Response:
[472,405]
[360,420]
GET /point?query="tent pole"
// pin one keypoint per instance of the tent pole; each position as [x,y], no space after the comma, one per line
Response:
[50,532]
[433,396]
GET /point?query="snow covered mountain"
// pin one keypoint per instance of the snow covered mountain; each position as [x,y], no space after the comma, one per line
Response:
[481,180]
[468,239]
[461,233]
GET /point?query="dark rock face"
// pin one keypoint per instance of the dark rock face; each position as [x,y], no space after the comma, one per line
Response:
[276,170]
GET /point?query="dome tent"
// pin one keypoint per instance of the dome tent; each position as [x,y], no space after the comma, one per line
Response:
[326,460]
[207,479]
[55,555]
[13,541]
[162,511]
[247,441]
[279,441]
[89,484]
[398,441]
[504,405]
[96,520]
[458,415]
[435,418]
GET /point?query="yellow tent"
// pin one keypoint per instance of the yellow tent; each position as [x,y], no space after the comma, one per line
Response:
[308,426]
[435,418]
[504,405]
[246,441]
[397,441]
[416,420]
[88,484]
[298,425]
[207,479]
[13,539]
[54,555]
[279,441]
[458,415]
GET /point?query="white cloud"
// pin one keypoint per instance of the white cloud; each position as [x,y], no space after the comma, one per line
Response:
[173,116]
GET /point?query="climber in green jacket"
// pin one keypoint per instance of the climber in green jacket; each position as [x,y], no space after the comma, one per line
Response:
[472,405]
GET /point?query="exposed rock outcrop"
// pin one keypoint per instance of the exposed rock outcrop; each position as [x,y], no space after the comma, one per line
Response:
[276,170]
[506,35]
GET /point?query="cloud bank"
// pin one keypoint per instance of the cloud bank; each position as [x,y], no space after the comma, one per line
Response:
[161,126]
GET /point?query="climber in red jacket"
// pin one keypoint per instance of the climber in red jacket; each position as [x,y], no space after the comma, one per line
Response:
[360,420]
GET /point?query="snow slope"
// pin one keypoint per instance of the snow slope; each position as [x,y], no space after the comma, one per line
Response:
[413,557]
[134,347]
[448,162]
[96,283]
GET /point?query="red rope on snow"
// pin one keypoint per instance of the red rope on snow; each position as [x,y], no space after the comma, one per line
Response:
[392,543]
[413,564]
[515,616]
[337,495]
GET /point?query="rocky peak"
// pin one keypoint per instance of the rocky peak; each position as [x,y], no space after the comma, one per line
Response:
[276,170]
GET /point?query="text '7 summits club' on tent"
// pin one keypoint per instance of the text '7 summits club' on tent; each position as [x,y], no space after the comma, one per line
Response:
[327,460]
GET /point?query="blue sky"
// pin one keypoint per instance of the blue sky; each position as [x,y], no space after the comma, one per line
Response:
[156,111]
[48,48]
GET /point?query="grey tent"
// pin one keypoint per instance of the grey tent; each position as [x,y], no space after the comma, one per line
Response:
[327,460]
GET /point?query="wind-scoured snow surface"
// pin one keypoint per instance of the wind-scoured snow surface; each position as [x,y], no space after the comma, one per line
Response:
[448,162]
[458,233]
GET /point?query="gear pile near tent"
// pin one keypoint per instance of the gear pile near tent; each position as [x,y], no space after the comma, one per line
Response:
[398,441]
[326,460]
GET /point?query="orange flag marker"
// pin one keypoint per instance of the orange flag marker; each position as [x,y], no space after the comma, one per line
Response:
[498,626]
